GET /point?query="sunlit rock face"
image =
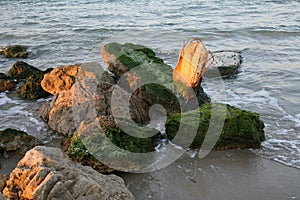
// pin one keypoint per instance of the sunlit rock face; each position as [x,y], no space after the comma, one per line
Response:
[45,173]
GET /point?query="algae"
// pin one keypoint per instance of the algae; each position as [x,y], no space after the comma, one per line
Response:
[242,129]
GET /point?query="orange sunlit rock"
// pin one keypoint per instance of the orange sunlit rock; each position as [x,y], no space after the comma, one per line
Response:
[191,64]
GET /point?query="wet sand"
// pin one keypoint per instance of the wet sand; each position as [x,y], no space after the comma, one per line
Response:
[232,174]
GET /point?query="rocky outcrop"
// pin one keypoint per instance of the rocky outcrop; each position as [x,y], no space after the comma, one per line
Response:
[16,142]
[226,64]
[45,173]
[28,78]
[140,67]
[242,129]
[14,51]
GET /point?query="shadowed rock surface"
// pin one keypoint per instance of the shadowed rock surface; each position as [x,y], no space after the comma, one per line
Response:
[17,142]
[45,173]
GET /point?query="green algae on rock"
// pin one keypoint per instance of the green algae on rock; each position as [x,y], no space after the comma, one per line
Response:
[98,149]
[242,129]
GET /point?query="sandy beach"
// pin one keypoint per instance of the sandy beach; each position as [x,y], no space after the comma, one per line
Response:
[231,174]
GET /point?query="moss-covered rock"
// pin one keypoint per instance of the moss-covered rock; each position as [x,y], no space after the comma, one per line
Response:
[242,129]
[95,147]
[15,51]
[149,78]
[127,56]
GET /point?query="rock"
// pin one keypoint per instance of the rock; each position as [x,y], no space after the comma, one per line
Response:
[6,85]
[45,173]
[226,64]
[63,78]
[59,113]
[145,69]
[31,88]
[121,58]
[14,51]
[21,70]
[17,142]
[29,79]
[3,179]
[242,129]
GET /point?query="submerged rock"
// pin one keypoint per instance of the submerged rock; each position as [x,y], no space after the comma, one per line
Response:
[17,142]
[14,51]
[226,64]
[45,173]
[242,129]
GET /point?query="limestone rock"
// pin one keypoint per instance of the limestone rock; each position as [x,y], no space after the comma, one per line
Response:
[44,173]
[242,129]
[14,141]
[226,64]
[14,51]
[62,78]
[137,66]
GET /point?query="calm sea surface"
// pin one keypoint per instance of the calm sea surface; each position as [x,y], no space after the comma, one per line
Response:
[60,32]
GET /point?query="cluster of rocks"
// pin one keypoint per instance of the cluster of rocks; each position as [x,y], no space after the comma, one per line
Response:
[81,106]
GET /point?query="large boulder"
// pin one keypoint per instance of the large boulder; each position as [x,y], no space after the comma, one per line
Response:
[14,51]
[45,173]
[16,142]
[147,75]
[242,129]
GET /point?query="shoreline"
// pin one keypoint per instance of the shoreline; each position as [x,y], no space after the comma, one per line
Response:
[229,174]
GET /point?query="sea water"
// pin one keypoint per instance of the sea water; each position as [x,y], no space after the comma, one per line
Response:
[267,32]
